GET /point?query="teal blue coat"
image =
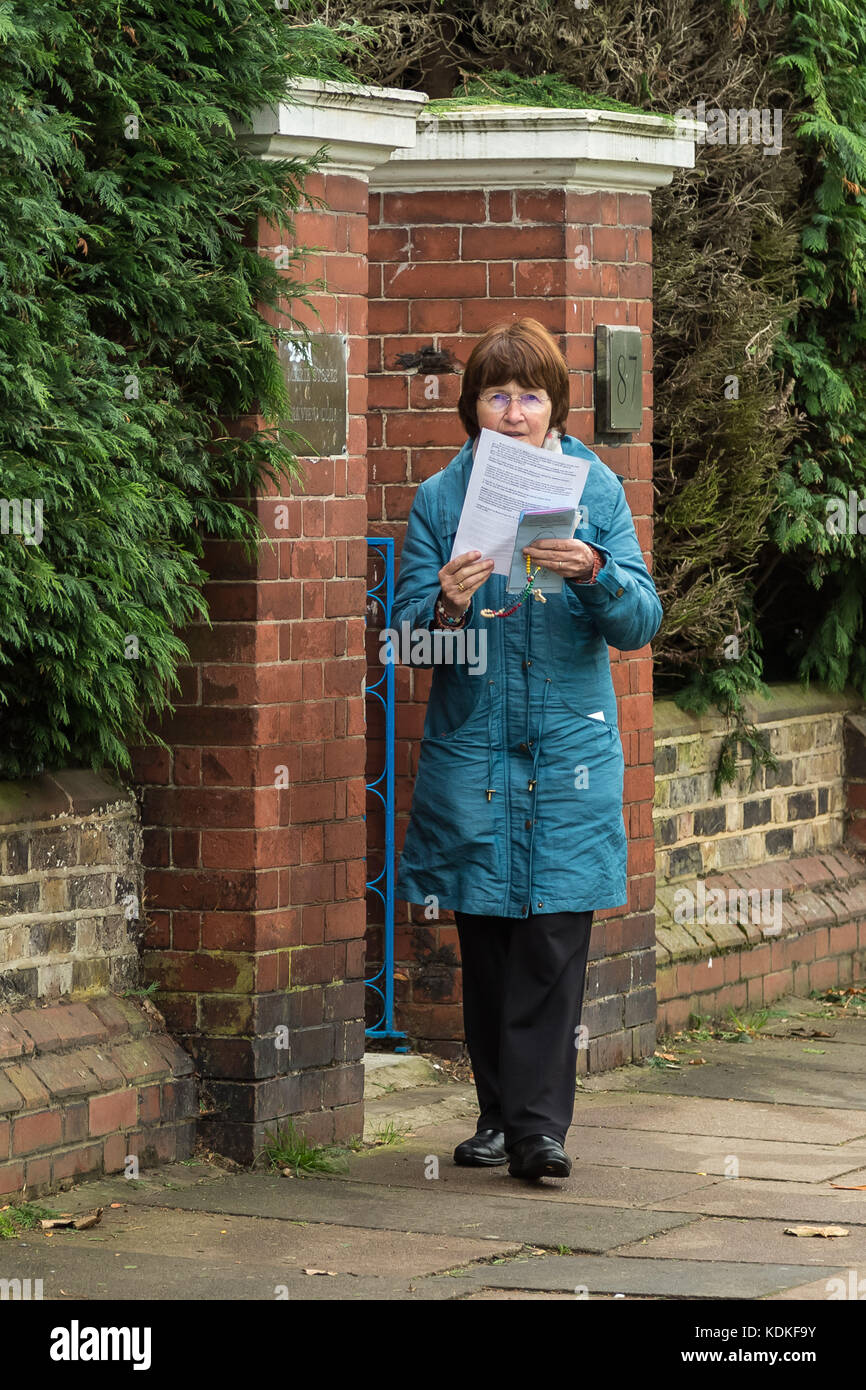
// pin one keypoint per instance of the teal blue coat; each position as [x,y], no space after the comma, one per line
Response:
[550,837]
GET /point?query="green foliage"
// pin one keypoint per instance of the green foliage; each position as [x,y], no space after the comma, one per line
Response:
[546,90]
[136,318]
[19,1217]
[285,1147]
[725,687]
[822,349]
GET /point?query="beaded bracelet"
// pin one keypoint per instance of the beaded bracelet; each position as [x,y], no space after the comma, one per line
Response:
[597,565]
[443,616]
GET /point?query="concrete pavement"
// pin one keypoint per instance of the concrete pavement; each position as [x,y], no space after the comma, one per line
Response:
[684,1179]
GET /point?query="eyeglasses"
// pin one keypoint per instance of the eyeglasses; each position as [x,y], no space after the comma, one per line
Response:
[501,400]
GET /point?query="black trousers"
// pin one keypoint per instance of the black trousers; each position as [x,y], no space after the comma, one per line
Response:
[523,983]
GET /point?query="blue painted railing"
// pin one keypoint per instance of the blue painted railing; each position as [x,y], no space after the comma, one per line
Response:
[381,592]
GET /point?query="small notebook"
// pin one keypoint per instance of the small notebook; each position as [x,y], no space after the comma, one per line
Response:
[557,524]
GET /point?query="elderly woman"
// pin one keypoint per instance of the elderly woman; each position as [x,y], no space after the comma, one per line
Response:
[516,821]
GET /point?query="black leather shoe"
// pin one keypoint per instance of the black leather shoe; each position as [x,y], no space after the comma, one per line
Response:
[538,1156]
[485,1149]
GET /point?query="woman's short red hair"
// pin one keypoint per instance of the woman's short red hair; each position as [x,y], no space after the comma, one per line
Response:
[520,350]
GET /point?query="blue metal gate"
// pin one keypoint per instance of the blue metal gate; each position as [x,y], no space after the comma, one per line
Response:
[381,593]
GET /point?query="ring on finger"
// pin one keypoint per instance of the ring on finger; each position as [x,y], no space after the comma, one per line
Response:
[460,586]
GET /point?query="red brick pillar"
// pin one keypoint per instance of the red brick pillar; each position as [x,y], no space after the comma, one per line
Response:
[455,248]
[254,820]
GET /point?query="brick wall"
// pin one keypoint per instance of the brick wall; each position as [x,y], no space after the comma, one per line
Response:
[796,809]
[254,830]
[761,891]
[89,1081]
[443,268]
[70,888]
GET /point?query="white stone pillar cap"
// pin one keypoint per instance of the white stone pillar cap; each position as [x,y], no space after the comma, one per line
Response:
[541,147]
[362,126]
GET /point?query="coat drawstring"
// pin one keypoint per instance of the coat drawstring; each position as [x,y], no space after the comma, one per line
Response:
[526,663]
[535,776]
[490,787]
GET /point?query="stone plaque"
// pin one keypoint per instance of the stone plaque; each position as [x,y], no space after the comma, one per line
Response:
[315,372]
[618,379]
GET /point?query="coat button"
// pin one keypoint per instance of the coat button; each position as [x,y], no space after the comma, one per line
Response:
[529,825]
[618,592]
[523,748]
[541,904]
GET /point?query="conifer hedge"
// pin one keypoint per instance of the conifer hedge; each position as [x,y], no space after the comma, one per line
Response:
[132,325]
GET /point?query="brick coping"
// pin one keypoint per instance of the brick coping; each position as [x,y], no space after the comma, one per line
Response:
[85,1085]
[786,700]
[71,792]
[819,890]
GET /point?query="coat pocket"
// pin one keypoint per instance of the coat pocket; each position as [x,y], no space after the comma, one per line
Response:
[580,786]
[457,705]
[454,830]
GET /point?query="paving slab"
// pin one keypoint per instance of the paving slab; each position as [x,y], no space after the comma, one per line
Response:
[643,1109]
[785,1201]
[405,1166]
[435,1210]
[755,1241]
[385,1073]
[244,1240]
[849,1285]
[841,1030]
[413,1111]
[520,1295]
[70,1275]
[702,1154]
[769,1071]
[671,1153]
[668,1278]
[697,1115]
[815,1054]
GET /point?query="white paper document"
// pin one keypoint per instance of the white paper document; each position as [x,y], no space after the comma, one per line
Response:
[508,477]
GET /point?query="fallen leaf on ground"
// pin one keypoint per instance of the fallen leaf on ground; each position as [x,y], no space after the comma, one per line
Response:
[668,1056]
[152,1011]
[816,1231]
[84,1223]
[116,1204]
[852,1187]
[697,1061]
[321,1271]
[76,1223]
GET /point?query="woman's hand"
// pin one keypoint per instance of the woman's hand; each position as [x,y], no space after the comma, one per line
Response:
[460,578]
[572,559]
